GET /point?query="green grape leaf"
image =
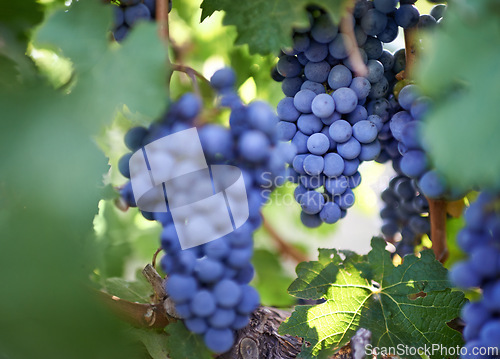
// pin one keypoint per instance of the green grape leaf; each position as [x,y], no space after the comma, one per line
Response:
[155,342]
[460,72]
[134,73]
[20,16]
[270,279]
[370,292]
[182,344]
[134,291]
[48,136]
[266,26]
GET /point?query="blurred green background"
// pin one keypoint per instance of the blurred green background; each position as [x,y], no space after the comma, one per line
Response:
[63,90]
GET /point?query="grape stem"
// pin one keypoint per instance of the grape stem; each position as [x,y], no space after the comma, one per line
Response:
[193,75]
[155,256]
[347,28]
[437,213]
[283,246]
[162,20]
[410,51]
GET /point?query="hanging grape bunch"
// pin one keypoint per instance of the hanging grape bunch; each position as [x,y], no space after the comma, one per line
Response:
[336,115]
[209,283]
[481,240]
[128,12]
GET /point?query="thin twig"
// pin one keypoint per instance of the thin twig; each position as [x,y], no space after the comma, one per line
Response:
[283,246]
[357,63]
[193,75]
[155,256]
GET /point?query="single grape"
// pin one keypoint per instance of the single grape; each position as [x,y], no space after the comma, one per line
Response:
[287,111]
[324,30]
[373,22]
[337,185]
[414,163]
[361,86]
[316,52]
[365,131]
[303,100]
[340,76]
[375,71]
[181,288]
[350,149]
[315,87]
[313,165]
[340,131]
[219,340]
[317,71]
[323,106]
[345,100]
[223,79]
[385,6]
[407,16]
[318,143]
[123,165]
[309,124]
[196,325]
[135,13]
[312,202]
[333,165]
[289,66]
[310,220]
[330,213]
[254,146]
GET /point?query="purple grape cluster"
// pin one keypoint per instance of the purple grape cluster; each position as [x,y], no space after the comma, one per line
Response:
[405,212]
[332,116]
[481,239]
[209,283]
[129,12]
[405,126]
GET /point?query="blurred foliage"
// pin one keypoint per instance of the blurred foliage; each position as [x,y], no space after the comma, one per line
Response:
[69,94]
[182,344]
[460,72]
[50,180]
[271,280]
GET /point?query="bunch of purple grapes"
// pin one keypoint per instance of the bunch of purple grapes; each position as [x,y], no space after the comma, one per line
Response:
[335,119]
[405,126]
[405,212]
[209,283]
[481,239]
[129,12]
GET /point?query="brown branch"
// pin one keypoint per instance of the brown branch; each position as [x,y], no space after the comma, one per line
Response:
[283,246]
[437,214]
[358,65]
[193,75]
[155,256]
[156,281]
[162,19]
[138,314]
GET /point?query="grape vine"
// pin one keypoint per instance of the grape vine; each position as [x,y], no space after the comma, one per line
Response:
[89,88]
